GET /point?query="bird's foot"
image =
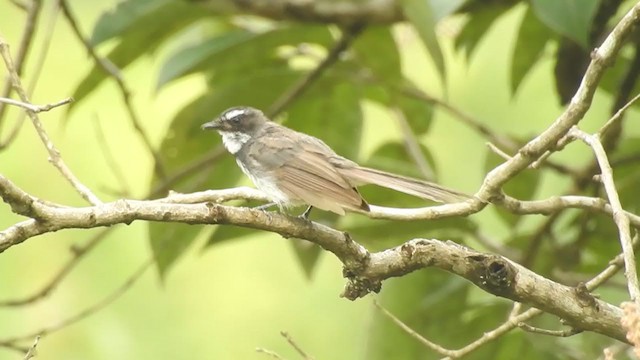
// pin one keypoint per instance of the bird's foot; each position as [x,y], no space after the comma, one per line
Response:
[305,214]
[264,207]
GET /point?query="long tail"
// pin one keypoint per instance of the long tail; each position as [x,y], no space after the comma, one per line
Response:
[407,185]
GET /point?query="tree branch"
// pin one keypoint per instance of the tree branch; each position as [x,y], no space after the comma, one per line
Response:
[365,271]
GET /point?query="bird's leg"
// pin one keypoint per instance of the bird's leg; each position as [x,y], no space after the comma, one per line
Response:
[305,214]
[265,206]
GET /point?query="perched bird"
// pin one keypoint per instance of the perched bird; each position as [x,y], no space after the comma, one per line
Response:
[294,169]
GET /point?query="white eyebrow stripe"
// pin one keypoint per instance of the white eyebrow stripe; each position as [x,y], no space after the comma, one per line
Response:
[235,112]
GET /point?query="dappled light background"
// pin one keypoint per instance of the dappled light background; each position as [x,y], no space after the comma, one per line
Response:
[223,302]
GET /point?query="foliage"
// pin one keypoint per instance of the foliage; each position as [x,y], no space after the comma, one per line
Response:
[253,61]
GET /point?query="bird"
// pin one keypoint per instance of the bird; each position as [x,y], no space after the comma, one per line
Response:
[295,169]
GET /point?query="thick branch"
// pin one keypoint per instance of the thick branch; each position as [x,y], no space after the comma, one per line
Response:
[495,275]
[364,270]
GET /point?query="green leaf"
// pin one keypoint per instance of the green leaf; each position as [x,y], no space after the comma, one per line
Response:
[330,111]
[376,49]
[482,15]
[532,39]
[522,187]
[127,16]
[419,114]
[571,18]
[142,37]
[308,255]
[443,8]
[421,16]
[235,52]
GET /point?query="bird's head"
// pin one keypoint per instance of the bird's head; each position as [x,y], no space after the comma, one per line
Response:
[240,119]
[237,126]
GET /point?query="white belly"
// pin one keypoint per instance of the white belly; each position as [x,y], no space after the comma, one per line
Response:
[268,187]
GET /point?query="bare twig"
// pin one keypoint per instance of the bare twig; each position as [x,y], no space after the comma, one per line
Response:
[86,312]
[32,350]
[489,336]
[36,108]
[20,5]
[407,329]
[619,216]
[35,74]
[54,154]
[412,145]
[125,92]
[270,353]
[558,333]
[295,345]
[109,158]
[348,35]
[78,254]
[33,11]
[202,164]
[616,117]
[498,151]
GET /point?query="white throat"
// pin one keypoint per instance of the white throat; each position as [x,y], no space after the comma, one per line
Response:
[233,141]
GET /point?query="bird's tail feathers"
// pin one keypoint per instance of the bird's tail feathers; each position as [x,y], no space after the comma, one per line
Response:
[420,188]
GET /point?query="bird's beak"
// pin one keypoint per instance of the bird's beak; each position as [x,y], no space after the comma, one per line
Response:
[212,125]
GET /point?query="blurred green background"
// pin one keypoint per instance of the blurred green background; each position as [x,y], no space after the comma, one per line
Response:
[224,302]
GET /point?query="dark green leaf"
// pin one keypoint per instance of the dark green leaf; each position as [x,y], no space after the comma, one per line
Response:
[239,52]
[308,255]
[330,110]
[418,113]
[480,21]
[421,16]
[532,39]
[188,60]
[376,49]
[522,187]
[571,18]
[126,16]
[144,37]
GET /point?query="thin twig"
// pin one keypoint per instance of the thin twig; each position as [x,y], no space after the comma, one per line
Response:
[619,216]
[270,353]
[88,311]
[489,336]
[113,72]
[295,345]
[54,154]
[20,5]
[23,48]
[616,117]
[32,350]
[202,164]
[36,108]
[348,35]
[407,329]
[497,150]
[558,333]
[112,163]
[35,73]
[412,145]
[79,252]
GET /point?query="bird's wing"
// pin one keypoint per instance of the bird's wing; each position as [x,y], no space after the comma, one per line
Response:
[301,166]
